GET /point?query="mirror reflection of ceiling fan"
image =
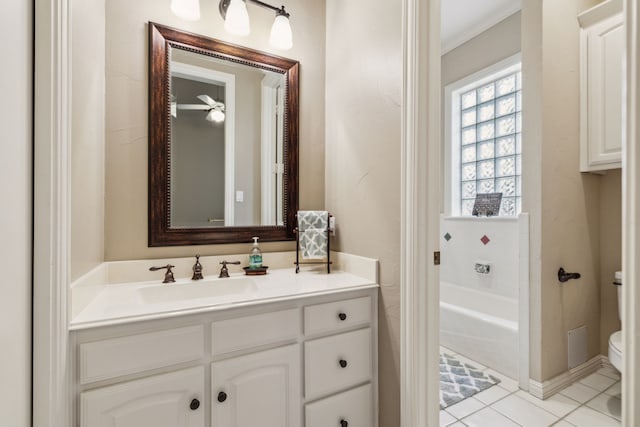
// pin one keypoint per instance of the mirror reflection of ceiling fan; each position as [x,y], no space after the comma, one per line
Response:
[215,109]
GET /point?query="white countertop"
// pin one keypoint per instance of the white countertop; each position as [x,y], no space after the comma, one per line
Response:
[122,303]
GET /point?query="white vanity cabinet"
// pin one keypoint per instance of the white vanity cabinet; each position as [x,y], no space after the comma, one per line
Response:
[601,86]
[307,361]
[168,400]
[258,389]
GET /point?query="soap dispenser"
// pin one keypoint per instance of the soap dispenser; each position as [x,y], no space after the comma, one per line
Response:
[255,258]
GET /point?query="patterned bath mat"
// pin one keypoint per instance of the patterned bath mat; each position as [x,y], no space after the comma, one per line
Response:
[460,380]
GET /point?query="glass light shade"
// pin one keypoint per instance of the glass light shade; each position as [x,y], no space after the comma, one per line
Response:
[281,35]
[215,115]
[189,10]
[236,20]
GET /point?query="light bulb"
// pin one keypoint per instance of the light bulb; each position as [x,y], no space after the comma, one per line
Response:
[281,35]
[215,115]
[236,20]
[189,10]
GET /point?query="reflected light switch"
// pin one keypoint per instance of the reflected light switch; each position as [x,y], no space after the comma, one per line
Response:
[239,196]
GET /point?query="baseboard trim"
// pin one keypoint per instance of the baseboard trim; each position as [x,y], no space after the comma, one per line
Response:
[550,387]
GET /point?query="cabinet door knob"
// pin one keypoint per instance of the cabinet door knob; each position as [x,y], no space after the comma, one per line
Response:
[222,396]
[343,363]
[344,423]
[195,404]
[342,316]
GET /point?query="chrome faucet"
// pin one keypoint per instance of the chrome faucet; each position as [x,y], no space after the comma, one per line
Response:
[224,272]
[197,269]
[168,275]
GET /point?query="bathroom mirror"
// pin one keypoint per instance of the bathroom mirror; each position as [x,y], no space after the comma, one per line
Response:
[223,141]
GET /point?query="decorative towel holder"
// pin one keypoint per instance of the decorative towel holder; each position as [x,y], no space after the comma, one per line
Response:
[328,261]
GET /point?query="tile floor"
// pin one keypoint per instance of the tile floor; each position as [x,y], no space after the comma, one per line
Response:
[593,401]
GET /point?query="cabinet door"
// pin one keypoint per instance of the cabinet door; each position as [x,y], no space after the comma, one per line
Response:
[169,400]
[605,48]
[259,389]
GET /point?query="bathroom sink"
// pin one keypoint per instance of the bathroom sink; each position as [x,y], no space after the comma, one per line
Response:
[212,288]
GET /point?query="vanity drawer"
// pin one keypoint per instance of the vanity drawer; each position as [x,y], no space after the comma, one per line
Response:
[337,362]
[338,315]
[110,358]
[253,331]
[353,408]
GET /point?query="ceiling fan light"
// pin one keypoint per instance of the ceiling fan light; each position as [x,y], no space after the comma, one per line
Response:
[281,34]
[216,115]
[189,10]
[237,18]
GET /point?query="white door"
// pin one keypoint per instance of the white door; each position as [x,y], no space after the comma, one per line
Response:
[260,389]
[169,400]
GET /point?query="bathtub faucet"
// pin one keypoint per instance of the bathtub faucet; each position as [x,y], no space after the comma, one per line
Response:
[482,268]
[563,276]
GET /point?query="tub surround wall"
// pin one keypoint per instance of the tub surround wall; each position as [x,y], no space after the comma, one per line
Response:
[363,134]
[16,122]
[464,247]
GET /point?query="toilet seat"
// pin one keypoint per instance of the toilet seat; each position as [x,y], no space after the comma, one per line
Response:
[615,350]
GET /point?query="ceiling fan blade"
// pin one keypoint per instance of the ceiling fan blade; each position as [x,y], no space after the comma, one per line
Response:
[207,100]
[201,107]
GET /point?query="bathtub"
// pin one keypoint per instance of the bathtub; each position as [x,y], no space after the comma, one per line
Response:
[481,326]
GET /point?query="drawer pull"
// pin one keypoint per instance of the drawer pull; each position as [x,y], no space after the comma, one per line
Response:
[342,316]
[222,396]
[344,423]
[195,404]
[343,363]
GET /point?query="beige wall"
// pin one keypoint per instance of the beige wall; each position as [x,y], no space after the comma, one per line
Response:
[87,135]
[363,87]
[497,43]
[16,28]
[610,253]
[126,113]
[564,204]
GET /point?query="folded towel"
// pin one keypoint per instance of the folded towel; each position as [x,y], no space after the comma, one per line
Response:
[313,244]
[313,219]
[312,234]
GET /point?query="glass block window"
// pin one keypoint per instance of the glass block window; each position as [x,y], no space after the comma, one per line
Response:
[486,141]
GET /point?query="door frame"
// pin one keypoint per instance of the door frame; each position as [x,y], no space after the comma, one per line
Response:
[420,213]
[630,215]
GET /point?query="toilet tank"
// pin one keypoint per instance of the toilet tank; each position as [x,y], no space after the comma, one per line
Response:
[618,282]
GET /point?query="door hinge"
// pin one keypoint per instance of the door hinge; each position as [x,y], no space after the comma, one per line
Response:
[436,258]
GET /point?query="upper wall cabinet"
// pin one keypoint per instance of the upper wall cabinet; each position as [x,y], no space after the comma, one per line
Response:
[601,82]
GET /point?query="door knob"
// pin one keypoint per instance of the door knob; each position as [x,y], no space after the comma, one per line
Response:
[222,396]
[344,423]
[343,363]
[195,404]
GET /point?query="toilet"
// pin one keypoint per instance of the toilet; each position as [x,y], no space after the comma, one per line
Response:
[615,341]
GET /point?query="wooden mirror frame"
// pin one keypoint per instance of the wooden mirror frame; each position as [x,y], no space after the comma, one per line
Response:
[162,38]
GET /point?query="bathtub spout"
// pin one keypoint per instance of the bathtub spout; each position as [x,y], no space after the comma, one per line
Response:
[563,276]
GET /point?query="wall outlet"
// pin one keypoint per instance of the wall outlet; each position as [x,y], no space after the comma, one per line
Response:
[332,225]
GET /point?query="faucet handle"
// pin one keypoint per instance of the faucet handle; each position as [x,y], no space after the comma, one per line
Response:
[224,271]
[197,269]
[168,276]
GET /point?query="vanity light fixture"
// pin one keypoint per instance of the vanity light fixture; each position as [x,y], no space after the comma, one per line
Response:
[236,21]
